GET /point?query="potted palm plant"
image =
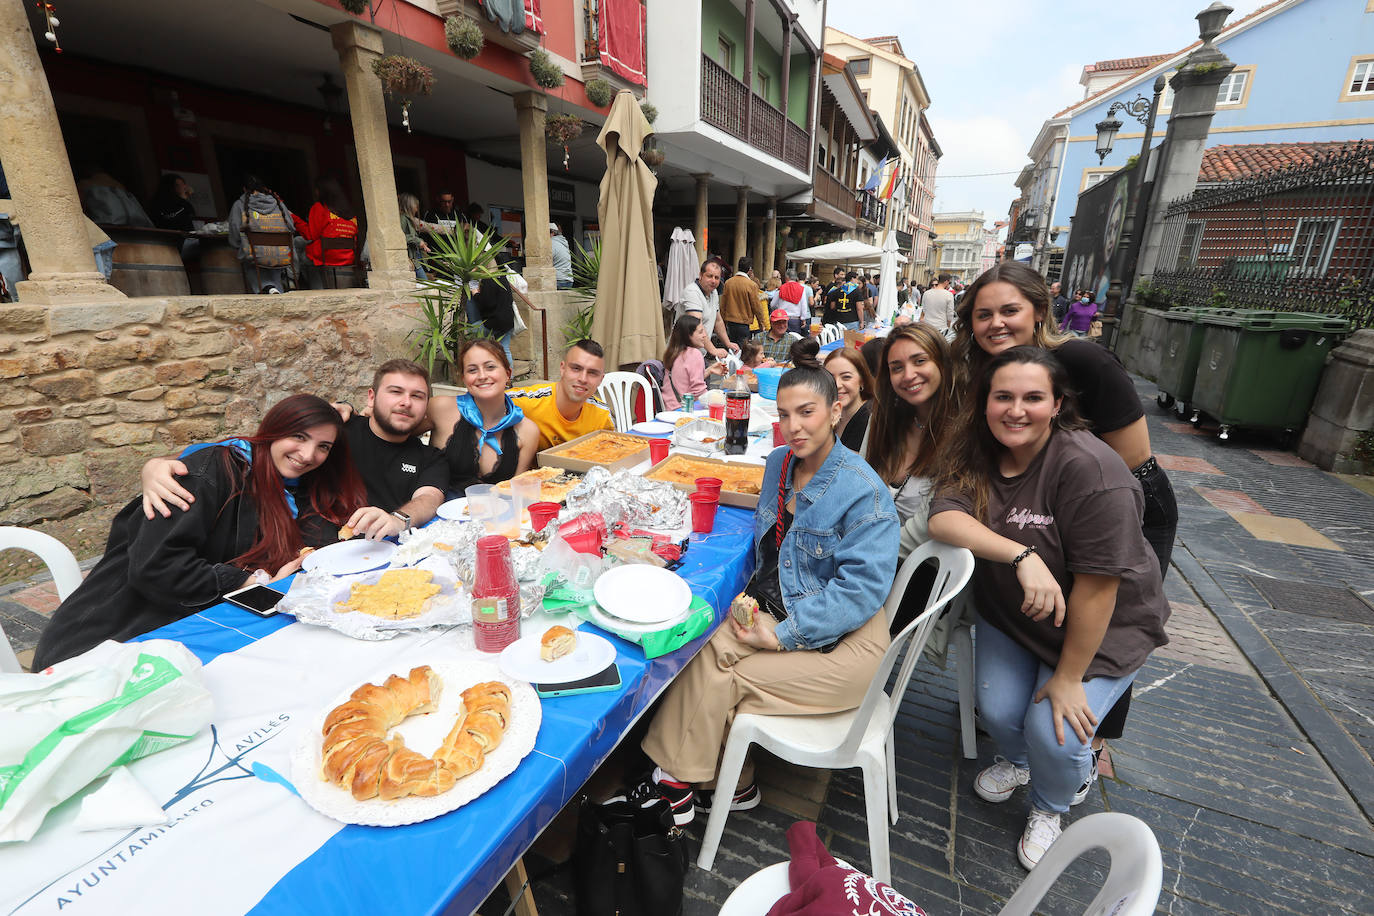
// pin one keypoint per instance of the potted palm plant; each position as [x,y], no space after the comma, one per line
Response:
[457,262]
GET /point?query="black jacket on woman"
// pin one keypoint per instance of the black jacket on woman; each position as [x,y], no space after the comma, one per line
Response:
[156,572]
[496,304]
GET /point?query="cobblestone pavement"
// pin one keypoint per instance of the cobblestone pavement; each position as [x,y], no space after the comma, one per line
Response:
[1247,752]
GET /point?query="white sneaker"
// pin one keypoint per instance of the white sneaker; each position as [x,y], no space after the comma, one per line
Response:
[999,781]
[1082,794]
[1042,829]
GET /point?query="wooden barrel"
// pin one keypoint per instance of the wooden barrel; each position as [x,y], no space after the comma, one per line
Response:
[220,272]
[147,261]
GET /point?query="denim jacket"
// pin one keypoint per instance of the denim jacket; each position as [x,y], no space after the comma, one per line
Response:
[839,557]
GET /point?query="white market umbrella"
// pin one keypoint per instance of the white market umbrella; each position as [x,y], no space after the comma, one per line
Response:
[682,267]
[845,251]
[887,285]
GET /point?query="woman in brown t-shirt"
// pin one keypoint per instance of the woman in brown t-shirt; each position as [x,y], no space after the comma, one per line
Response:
[1032,493]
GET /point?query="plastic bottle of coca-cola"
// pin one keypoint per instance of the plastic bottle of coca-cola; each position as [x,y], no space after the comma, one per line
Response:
[737,401]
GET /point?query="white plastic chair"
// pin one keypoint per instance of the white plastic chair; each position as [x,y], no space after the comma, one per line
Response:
[829,334]
[1132,885]
[620,391]
[66,575]
[857,737]
[962,638]
[1131,888]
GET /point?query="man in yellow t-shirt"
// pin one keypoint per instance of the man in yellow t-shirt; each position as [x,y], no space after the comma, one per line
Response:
[566,409]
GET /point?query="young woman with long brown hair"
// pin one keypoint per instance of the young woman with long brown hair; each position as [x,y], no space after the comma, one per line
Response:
[855,384]
[258,500]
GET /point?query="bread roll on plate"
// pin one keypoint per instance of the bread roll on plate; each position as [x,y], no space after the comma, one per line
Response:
[556,643]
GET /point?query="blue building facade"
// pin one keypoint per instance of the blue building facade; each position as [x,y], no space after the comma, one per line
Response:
[1304,72]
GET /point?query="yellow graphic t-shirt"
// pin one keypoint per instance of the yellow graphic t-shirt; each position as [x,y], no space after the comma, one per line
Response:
[540,405]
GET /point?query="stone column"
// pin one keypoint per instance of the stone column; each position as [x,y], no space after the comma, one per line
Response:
[699,224]
[1195,103]
[1343,410]
[358,46]
[770,238]
[47,208]
[784,247]
[756,251]
[741,227]
[531,109]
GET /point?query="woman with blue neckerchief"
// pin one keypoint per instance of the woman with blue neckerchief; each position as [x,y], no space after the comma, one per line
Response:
[258,501]
[484,437]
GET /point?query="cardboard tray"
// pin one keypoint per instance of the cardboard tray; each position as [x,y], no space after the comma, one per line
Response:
[557,457]
[727,497]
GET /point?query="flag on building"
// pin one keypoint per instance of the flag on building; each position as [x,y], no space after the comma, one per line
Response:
[872,183]
[891,185]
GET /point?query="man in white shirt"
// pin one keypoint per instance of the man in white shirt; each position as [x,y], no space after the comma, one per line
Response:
[702,298]
[938,304]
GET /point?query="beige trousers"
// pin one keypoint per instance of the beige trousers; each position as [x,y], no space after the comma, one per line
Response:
[687,736]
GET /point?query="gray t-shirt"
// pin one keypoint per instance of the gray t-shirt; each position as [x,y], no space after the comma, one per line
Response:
[1081,508]
[939,308]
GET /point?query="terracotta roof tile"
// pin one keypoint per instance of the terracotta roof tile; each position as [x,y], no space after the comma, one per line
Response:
[1119,83]
[1229,163]
[1127,63]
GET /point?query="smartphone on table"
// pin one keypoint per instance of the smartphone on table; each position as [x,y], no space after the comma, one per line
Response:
[607,679]
[259,599]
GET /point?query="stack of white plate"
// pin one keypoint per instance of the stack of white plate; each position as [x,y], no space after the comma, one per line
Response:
[637,599]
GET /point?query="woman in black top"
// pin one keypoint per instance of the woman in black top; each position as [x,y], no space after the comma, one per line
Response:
[855,383]
[1009,306]
[485,438]
[257,501]
[494,305]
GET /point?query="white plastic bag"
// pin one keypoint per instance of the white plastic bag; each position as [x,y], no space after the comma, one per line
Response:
[100,710]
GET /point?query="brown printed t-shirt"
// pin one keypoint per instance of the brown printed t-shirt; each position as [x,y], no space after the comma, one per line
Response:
[1081,508]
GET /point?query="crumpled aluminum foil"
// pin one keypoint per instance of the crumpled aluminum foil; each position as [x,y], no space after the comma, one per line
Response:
[626,497]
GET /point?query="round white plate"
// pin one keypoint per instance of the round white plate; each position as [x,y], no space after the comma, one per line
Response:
[625,628]
[455,510]
[672,416]
[593,655]
[642,594]
[424,734]
[348,557]
[653,428]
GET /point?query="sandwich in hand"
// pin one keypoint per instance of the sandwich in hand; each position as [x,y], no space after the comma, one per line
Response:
[744,609]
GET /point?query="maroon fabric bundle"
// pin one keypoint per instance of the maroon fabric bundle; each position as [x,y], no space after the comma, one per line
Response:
[823,887]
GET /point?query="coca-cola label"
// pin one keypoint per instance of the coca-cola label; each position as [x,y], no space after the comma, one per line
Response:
[737,408]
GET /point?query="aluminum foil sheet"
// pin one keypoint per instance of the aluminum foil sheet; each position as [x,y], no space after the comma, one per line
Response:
[626,497]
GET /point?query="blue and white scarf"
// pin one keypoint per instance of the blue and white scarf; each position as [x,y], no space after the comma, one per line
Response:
[490,435]
[244,448]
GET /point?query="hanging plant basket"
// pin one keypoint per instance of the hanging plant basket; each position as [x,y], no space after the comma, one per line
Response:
[403,77]
[650,110]
[653,156]
[356,7]
[562,130]
[599,92]
[464,37]
[545,71]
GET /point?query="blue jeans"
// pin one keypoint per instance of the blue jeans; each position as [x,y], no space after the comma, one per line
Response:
[1008,677]
[849,325]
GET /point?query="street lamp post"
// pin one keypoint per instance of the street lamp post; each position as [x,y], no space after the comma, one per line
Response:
[1143,110]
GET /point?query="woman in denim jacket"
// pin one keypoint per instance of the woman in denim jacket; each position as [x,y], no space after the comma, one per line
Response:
[823,571]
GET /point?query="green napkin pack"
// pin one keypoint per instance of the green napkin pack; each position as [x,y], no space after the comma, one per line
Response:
[700,618]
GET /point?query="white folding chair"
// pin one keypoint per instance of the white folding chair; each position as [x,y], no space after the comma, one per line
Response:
[620,391]
[858,737]
[1132,884]
[66,575]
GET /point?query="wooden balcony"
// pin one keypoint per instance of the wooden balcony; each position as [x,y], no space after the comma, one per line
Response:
[724,103]
[832,201]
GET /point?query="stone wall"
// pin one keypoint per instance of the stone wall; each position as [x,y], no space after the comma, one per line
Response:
[88,391]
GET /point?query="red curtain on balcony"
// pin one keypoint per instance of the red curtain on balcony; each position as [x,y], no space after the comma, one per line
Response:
[532,18]
[620,38]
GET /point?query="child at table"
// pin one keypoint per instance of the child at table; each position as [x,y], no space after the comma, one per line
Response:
[258,501]
[825,542]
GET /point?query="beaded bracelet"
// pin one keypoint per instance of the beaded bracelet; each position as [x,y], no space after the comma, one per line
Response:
[1022,555]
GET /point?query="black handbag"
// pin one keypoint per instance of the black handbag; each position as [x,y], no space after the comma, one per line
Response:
[629,860]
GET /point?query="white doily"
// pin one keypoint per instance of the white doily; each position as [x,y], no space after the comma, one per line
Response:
[313,596]
[423,734]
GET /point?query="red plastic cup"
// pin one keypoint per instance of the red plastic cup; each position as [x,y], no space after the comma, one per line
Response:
[543,513]
[495,596]
[658,449]
[703,511]
[777,434]
[710,486]
[716,411]
[585,534]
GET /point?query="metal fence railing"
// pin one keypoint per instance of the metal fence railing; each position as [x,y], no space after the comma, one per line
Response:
[1299,238]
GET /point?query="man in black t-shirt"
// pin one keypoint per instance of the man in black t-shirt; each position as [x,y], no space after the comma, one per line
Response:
[405,478]
[844,303]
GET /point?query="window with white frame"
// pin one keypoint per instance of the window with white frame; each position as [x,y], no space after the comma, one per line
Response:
[1094,178]
[1362,78]
[1313,242]
[1232,89]
[1189,244]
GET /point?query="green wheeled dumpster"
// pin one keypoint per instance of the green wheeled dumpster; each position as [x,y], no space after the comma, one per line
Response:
[1178,358]
[1143,355]
[1259,369]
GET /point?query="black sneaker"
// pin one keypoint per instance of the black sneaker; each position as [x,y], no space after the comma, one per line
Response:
[678,795]
[746,798]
